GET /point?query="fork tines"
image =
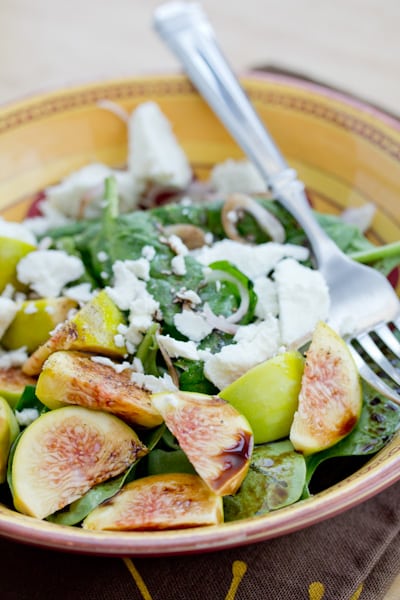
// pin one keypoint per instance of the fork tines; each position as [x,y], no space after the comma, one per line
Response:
[377,356]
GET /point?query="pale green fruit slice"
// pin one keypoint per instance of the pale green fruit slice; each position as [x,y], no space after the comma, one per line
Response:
[9,429]
[215,437]
[34,322]
[11,252]
[330,399]
[92,329]
[157,502]
[64,453]
[267,395]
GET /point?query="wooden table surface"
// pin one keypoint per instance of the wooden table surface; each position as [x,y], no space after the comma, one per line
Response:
[350,44]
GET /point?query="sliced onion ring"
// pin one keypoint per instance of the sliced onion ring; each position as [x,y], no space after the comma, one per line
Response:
[238,202]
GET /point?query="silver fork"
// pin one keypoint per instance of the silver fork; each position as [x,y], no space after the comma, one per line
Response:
[363,302]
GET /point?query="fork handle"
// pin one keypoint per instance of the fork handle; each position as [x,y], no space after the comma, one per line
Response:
[186,30]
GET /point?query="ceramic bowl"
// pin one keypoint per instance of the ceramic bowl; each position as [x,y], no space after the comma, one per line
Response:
[346,152]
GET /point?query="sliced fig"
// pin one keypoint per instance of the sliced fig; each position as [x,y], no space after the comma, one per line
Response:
[64,453]
[12,383]
[217,439]
[330,399]
[9,429]
[71,377]
[168,501]
[92,329]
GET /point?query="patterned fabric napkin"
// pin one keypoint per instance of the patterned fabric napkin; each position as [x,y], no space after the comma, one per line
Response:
[354,556]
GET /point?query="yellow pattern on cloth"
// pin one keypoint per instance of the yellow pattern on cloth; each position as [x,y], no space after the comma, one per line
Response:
[239,569]
[316,591]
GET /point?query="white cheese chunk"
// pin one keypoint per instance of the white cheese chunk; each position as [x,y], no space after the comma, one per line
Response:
[48,271]
[233,176]
[8,310]
[82,292]
[16,231]
[154,384]
[255,343]
[13,358]
[267,297]
[175,348]
[193,325]
[253,261]
[154,152]
[26,416]
[303,298]
[178,265]
[130,293]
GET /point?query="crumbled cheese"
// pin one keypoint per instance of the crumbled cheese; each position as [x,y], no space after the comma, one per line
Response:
[154,384]
[148,252]
[85,186]
[178,265]
[16,231]
[189,296]
[48,271]
[253,261]
[154,152]
[233,176]
[193,325]
[267,297]
[119,340]
[8,310]
[26,416]
[107,362]
[140,268]
[175,348]
[13,358]
[303,298]
[255,343]
[8,291]
[102,256]
[31,309]
[177,246]
[49,309]
[82,292]
[130,293]
[51,218]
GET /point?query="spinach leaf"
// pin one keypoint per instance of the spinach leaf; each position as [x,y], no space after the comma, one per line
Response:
[164,461]
[275,479]
[29,399]
[74,513]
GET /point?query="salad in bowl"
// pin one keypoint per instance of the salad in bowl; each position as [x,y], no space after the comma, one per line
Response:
[165,358]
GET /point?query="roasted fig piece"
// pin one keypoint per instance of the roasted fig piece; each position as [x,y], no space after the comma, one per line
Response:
[64,453]
[168,501]
[92,329]
[217,439]
[330,399]
[74,378]
[12,384]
